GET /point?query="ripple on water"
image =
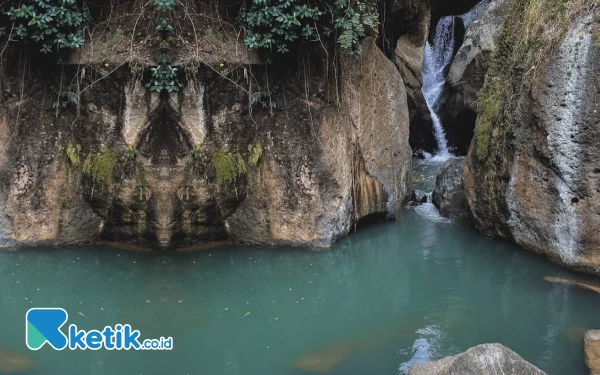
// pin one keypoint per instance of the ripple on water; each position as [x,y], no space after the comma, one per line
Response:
[424,349]
[430,212]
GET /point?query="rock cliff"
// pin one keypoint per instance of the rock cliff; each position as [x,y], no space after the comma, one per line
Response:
[202,164]
[532,171]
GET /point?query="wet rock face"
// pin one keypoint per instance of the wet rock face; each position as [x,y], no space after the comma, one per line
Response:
[182,168]
[544,191]
[591,341]
[449,195]
[458,105]
[481,360]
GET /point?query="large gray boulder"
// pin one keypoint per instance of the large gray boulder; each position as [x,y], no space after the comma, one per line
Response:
[483,359]
[591,341]
[449,194]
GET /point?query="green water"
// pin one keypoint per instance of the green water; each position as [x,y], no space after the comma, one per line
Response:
[386,297]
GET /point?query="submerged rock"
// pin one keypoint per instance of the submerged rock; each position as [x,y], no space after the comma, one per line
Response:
[591,341]
[486,359]
[449,195]
[12,362]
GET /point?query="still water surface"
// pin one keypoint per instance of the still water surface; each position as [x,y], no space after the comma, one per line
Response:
[386,297]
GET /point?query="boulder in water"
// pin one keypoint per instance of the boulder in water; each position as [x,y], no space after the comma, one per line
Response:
[480,360]
[449,195]
[419,197]
[591,341]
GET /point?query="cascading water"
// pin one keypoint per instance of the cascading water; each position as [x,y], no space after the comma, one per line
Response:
[436,61]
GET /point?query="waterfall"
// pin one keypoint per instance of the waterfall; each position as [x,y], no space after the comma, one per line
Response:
[436,62]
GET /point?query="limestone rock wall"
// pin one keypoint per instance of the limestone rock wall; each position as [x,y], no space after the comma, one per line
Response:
[542,190]
[334,150]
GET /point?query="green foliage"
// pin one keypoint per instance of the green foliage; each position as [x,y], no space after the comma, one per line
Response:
[64,98]
[198,161]
[118,35]
[197,154]
[73,154]
[351,24]
[100,167]
[210,36]
[256,152]
[131,153]
[164,5]
[52,24]
[274,25]
[164,76]
[164,26]
[228,166]
[532,29]
[264,98]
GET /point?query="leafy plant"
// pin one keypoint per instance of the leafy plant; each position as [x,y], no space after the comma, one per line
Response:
[210,36]
[164,5]
[64,98]
[53,24]
[256,152]
[198,161]
[131,153]
[73,154]
[164,26]
[274,25]
[228,166]
[164,76]
[197,154]
[118,35]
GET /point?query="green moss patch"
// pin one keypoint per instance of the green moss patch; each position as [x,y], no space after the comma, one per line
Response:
[228,166]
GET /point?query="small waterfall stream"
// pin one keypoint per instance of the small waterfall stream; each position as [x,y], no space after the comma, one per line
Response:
[436,63]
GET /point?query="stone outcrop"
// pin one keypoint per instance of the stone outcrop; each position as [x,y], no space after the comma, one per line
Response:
[199,165]
[481,360]
[449,195]
[540,183]
[458,105]
[408,25]
[591,341]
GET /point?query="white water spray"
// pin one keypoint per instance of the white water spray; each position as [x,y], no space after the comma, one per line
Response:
[436,62]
